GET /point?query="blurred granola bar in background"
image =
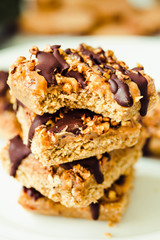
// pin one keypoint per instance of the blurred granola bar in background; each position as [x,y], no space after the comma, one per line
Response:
[91,17]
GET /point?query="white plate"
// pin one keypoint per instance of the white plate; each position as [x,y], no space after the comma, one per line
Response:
[142,219]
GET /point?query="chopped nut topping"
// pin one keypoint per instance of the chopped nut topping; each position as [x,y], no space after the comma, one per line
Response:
[67,88]
[108,235]
[34,50]
[112,195]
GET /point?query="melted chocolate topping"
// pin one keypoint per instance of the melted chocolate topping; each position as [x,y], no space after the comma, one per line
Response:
[50,63]
[17,152]
[120,91]
[107,156]
[94,57]
[3,83]
[18,103]
[31,192]
[137,68]
[38,121]
[142,85]
[121,180]
[78,76]
[7,106]
[94,208]
[63,65]
[145,149]
[78,56]
[68,51]
[92,164]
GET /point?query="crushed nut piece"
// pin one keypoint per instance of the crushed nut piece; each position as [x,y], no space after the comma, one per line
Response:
[112,195]
[111,224]
[20,59]
[34,50]
[67,88]
[108,235]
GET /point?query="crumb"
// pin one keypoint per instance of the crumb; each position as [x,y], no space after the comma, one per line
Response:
[111,224]
[108,235]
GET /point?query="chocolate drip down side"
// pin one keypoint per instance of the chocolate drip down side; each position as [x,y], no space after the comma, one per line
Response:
[94,208]
[92,164]
[120,91]
[145,149]
[3,83]
[121,180]
[17,152]
[143,87]
[142,84]
[31,192]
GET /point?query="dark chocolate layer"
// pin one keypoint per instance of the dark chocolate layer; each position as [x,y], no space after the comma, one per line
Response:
[70,120]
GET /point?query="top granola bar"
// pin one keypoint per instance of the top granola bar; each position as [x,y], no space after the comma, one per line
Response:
[86,77]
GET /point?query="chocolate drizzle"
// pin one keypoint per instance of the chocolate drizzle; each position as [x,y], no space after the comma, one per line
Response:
[145,150]
[78,76]
[121,180]
[94,208]
[38,121]
[142,84]
[3,83]
[50,63]
[120,91]
[68,51]
[31,192]
[18,103]
[143,87]
[92,164]
[7,106]
[137,69]
[17,152]
[94,57]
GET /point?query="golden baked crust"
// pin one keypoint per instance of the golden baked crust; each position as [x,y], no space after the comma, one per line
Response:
[74,186]
[111,206]
[93,92]
[55,148]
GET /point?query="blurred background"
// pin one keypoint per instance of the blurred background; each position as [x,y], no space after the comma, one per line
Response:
[23,19]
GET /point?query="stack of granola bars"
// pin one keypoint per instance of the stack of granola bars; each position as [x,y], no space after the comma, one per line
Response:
[81,137]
